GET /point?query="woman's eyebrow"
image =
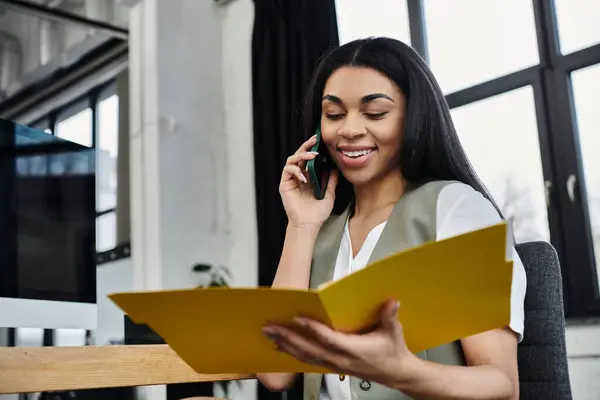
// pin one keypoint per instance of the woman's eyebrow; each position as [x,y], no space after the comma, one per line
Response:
[364,100]
[370,97]
[333,99]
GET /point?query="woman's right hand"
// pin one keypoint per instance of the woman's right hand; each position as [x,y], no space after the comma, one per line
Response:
[297,193]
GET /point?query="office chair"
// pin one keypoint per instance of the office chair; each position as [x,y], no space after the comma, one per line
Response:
[542,355]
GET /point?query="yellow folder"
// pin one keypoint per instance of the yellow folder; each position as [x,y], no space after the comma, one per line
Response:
[448,290]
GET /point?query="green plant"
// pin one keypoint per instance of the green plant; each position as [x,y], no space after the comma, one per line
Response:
[219,276]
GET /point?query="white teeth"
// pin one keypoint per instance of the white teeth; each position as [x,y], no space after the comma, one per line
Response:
[356,153]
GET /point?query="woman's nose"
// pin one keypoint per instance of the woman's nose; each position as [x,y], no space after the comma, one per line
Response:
[352,126]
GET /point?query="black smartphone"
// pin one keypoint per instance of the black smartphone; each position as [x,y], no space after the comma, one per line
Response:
[319,167]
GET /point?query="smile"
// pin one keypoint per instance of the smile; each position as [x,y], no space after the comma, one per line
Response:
[356,158]
[355,154]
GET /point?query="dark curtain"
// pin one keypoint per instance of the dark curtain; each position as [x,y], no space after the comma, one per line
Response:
[289,38]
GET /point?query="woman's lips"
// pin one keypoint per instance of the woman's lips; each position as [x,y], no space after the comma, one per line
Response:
[356,158]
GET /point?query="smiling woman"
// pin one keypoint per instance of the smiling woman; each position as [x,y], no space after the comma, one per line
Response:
[349,113]
[401,178]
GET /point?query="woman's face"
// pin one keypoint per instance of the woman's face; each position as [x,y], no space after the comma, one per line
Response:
[362,123]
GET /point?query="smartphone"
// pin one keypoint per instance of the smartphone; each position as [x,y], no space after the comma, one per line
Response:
[319,167]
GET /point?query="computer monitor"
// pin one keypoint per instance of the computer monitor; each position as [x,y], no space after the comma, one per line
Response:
[47,231]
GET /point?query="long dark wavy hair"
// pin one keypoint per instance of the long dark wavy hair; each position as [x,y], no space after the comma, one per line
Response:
[430,147]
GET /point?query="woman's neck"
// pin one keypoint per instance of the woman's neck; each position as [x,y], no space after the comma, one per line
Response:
[377,195]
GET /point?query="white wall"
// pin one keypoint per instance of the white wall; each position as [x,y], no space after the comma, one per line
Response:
[112,278]
[583,349]
[192,185]
[237,22]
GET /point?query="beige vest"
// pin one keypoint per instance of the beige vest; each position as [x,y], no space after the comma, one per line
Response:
[411,223]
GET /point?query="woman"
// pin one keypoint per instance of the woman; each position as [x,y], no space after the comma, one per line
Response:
[403,176]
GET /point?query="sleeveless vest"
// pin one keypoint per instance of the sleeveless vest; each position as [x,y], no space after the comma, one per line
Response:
[411,223]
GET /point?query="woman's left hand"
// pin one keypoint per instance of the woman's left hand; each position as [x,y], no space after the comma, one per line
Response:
[371,356]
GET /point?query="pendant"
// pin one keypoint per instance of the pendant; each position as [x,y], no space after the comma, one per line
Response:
[342,377]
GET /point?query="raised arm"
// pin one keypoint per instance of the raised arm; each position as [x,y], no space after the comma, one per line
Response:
[306,215]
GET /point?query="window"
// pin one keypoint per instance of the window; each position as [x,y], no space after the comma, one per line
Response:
[106,150]
[360,19]
[29,337]
[586,93]
[69,337]
[473,41]
[106,231]
[577,24]
[523,80]
[77,128]
[106,172]
[518,186]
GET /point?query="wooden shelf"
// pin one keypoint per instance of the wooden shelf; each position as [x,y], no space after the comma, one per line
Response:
[41,369]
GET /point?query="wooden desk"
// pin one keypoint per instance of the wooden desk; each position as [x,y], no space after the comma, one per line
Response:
[47,369]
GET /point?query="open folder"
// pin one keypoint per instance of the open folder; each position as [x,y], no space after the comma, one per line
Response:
[448,290]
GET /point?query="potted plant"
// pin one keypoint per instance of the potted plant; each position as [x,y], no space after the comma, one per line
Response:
[216,276]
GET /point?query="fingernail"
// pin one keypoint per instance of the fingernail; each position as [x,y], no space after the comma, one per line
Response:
[270,334]
[316,153]
[300,321]
[396,307]
[303,178]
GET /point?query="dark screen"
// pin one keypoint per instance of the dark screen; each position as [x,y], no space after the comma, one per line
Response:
[47,216]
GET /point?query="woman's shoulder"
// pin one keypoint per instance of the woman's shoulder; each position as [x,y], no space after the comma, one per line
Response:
[455,194]
[460,208]
[455,190]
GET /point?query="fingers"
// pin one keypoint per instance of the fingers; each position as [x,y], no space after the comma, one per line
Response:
[388,315]
[327,337]
[320,358]
[298,353]
[390,309]
[301,158]
[303,153]
[301,348]
[306,146]
[293,343]
[295,165]
[293,171]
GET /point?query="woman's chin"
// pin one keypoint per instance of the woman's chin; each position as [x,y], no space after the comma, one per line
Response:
[365,177]
[358,178]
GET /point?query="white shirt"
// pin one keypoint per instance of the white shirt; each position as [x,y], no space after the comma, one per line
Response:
[460,209]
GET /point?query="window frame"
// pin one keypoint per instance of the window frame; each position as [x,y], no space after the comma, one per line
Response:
[91,99]
[102,93]
[557,129]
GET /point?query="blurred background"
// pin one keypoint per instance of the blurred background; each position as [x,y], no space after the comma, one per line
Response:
[192,106]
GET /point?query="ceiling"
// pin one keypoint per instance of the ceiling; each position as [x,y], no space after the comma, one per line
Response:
[39,37]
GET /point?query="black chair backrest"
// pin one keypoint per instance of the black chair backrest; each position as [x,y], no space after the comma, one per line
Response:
[543,366]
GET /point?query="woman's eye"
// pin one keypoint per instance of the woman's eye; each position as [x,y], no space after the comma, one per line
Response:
[334,116]
[376,115]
